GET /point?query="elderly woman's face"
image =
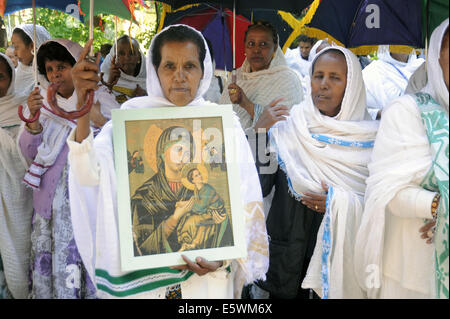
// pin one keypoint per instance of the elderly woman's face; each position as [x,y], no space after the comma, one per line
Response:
[180,72]
[328,83]
[444,58]
[259,49]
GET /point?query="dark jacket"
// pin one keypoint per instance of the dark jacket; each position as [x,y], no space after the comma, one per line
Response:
[292,229]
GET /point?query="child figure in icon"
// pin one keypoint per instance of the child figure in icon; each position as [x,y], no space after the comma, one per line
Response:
[207,224]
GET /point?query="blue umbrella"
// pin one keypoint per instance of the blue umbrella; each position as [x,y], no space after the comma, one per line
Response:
[362,25]
[60,5]
[294,6]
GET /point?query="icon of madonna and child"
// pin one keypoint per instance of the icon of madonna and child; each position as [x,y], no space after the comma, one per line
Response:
[178,208]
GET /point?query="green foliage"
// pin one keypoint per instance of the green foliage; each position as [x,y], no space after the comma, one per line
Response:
[145,38]
[62,25]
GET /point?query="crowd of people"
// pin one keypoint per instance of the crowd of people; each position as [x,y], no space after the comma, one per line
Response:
[345,195]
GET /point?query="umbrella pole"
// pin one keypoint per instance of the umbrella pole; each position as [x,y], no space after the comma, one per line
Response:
[427,15]
[233,75]
[91,24]
[34,45]
[115,38]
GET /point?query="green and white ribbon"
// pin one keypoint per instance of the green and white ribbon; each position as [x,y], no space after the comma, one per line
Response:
[435,120]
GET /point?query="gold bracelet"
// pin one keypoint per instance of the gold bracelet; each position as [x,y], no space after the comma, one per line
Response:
[435,205]
[34,132]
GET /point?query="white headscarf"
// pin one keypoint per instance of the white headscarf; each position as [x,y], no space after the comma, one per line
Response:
[42,35]
[401,154]
[436,86]
[154,90]
[418,80]
[341,163]
[126,81]
[25,73]
[313,52]
[307,161]
[10,102]
[102,234]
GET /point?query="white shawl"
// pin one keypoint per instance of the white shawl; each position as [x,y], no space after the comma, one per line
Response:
[95,215]
[401,152]
[25,73]
[436,86]
[16,201]
[263,87]
[126,81]
[342,164]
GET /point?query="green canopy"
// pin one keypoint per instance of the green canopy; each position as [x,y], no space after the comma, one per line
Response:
[118,8]
[434,12]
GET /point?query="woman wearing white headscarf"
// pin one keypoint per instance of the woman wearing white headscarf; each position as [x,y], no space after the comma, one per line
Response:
[16,208]
[263,78]
[56,267]
[321,150]
[125,74]
[407,191]
[92,165]
[22,40]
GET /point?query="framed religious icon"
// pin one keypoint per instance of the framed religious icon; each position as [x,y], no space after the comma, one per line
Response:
[178,186]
